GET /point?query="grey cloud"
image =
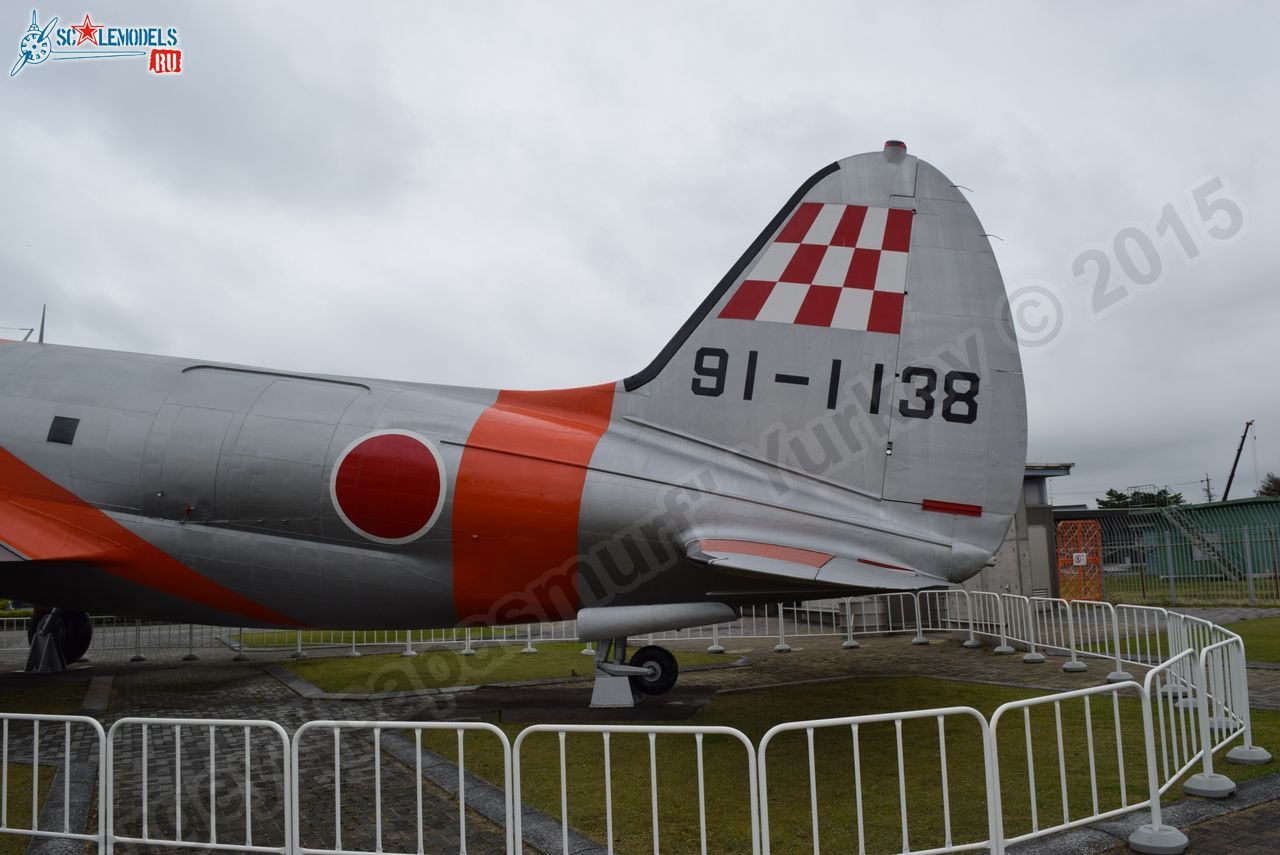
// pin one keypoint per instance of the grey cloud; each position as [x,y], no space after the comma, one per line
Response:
[537,195]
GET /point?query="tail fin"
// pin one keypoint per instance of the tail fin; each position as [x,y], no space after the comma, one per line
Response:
[863,339]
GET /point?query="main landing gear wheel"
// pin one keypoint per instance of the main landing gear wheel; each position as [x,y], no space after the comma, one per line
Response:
[79,628]
[71,630]
[662,668]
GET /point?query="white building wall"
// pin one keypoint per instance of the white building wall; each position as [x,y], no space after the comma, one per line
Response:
[1011,573]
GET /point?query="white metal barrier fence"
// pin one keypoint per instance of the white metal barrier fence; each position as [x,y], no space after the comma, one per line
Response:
[232,785]
[378,830]
[975,778]
[1099,807]
[1132,633]
[28,753]
[651,734]
[214,777]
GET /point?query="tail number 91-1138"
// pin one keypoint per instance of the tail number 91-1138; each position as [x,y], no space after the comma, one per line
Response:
[959,392]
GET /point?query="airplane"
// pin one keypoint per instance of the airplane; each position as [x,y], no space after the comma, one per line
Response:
[844,413]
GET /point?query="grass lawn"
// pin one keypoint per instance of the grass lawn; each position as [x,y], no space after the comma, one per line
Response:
[1140,590]
[269,638]
[1261,638]
[335,637]
[18,805]
[754,712]
[1261,641]
[444,668]
[1138,647]
[62,698]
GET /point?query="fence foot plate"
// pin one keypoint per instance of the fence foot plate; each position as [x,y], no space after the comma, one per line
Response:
[971,644]
[1119,677]
[1033,658]
[1074,666]
[1158,840]
[1248,755]
[1207,786]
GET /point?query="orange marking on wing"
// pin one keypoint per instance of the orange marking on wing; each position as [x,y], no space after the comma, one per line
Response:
[885,566]
[793,554]
[516,504]
[43,521]
[940,507]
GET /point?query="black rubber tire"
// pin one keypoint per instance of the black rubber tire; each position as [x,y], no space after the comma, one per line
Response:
[79,635]
[74,630]
[663,670]
[33,624]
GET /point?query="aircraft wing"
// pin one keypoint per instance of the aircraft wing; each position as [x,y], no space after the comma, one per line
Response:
[794,564]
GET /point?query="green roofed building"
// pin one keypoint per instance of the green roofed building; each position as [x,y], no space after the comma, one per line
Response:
[1217,550]
[1221,539]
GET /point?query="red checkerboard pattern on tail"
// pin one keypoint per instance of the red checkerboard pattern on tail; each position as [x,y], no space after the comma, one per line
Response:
[841,266]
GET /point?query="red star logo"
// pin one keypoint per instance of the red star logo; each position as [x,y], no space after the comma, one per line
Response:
[88,31]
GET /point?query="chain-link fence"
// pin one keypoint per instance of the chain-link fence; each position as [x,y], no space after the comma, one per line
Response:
[1223,554]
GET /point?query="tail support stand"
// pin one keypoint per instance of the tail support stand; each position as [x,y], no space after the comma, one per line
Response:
[613,689]
[46,656]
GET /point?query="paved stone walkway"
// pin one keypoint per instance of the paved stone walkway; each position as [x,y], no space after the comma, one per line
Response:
[219,688]
[1252,831]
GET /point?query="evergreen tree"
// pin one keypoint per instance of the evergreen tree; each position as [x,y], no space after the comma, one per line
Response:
[1142,499]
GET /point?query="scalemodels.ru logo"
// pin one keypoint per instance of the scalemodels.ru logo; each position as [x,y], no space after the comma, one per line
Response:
[89,40]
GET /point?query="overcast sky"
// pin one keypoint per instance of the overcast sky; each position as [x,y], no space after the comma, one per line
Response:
[536,195]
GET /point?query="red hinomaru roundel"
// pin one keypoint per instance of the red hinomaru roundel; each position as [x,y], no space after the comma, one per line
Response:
[389,486]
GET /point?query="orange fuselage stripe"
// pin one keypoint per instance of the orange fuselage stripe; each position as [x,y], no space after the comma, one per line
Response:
[43,521]
[516,504]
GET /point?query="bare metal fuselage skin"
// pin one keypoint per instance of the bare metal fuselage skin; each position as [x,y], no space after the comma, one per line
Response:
[203,492]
